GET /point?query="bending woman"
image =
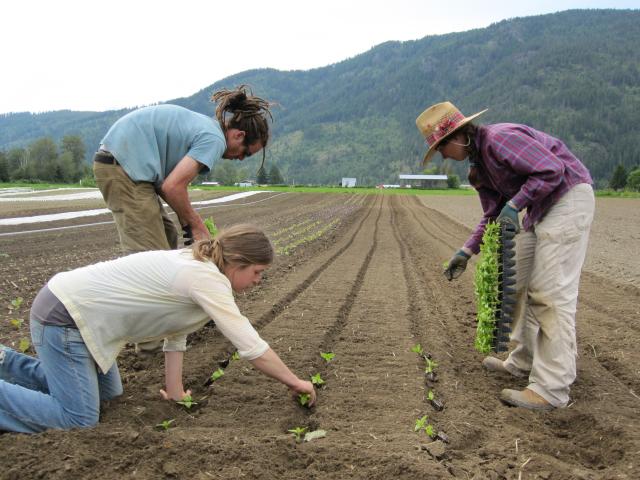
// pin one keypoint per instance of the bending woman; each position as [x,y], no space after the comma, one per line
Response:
[81,320]
[515,167]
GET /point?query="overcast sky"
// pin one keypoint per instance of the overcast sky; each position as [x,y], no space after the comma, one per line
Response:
[103,55]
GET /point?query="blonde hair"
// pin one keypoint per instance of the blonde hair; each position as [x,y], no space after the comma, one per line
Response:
[241,244]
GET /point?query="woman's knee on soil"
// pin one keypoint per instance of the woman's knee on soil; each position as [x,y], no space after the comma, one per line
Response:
[86,420]
[111,394]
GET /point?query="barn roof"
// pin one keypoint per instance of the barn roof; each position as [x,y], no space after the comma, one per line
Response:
[405,176]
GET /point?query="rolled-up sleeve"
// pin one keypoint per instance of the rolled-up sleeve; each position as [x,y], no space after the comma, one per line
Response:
[216,299]
[175,344]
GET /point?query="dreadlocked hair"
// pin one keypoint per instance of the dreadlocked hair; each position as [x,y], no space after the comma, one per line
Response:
[241,110]
[241,244]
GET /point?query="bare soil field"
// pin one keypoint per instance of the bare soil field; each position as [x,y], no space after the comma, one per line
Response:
[359,276]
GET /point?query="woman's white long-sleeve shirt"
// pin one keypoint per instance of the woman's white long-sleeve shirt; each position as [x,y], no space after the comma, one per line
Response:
[151,296]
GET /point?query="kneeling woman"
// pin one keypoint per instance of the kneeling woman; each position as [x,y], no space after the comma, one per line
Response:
[82,319]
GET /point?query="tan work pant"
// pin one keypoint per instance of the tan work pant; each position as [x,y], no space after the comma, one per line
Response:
[141,220]
[549,262]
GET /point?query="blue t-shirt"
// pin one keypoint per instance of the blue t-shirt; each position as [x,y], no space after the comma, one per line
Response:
[149,142]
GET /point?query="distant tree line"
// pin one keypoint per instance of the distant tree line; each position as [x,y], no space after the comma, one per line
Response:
[623,180]
[45,161]
[227,173]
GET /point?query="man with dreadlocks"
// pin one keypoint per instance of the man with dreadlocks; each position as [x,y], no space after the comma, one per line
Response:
[153,153]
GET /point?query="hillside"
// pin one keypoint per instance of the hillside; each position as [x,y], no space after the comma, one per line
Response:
[574,74]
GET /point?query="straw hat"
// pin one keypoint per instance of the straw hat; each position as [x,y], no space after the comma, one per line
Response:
[438,122]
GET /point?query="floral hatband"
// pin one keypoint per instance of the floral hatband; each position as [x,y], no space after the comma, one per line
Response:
[444,127]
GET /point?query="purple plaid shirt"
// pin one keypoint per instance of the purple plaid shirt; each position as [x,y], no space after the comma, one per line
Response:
[526,166]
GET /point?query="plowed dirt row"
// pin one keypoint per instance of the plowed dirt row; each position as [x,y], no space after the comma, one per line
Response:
[367,290]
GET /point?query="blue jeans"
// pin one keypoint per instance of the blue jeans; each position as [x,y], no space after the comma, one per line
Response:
[60,389]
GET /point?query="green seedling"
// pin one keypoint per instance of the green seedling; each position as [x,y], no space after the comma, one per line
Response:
[303,399]
[420,424]
[431,365]
[327,356]
[298,432]
[429,430]
[16,322]
[235,356]
[435,403]
[187,402]
[213,230]
[317,379]
[165,424]
[486,287]
[16,303]
[417,348]
[216,375]
[24,345]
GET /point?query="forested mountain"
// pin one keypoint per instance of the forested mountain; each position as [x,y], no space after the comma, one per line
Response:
[574,74]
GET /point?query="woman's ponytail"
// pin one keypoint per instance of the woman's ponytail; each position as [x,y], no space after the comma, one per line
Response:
[241,244]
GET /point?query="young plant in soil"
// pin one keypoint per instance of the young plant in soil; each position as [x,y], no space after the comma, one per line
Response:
[187,402]
[24,345]
[417,348]
[298,432]
[317,379]
[420,423]
[303,399]
[16,323]
[216,375]
[327,356]
[486,287]
[435,403]
[429,430]
[16,303]
[429,371]
[165,424]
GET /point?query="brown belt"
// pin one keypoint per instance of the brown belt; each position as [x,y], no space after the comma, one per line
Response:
[105,157]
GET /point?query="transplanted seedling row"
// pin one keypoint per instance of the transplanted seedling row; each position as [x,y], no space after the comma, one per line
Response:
[431,378]
[300,433]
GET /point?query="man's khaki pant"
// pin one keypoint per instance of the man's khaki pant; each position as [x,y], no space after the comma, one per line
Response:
[549,262]
[141,220]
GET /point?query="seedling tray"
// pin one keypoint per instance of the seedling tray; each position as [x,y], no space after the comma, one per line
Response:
[495,288]
[506,288]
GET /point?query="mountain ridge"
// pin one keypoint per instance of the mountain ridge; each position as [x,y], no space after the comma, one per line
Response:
[573,74]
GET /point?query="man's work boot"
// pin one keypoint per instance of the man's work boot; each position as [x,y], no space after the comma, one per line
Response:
[493,364]
[525,398]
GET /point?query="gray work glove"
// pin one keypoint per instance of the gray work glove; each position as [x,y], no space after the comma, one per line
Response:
[457,265]
[509,214]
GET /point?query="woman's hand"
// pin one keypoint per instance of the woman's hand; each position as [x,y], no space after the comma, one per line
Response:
[175,396]
[304,387]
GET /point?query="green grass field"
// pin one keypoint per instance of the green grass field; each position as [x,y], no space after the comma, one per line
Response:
[309,189]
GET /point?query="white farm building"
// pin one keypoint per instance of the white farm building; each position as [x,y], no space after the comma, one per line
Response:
[425,181]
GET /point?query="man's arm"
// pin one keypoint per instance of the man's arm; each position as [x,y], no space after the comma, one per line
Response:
[174,192]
